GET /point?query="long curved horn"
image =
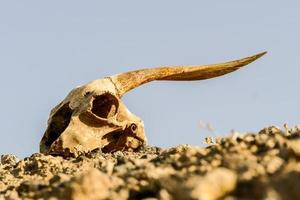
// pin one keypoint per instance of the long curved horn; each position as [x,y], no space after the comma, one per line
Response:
[130,80]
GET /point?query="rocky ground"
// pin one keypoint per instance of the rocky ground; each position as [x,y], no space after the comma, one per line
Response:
[262,165]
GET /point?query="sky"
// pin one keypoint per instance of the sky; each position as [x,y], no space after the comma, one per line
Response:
[49,47]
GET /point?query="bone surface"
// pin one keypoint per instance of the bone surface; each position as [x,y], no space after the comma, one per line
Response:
[93,116]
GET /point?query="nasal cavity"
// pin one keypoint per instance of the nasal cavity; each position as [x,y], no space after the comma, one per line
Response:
[105,105]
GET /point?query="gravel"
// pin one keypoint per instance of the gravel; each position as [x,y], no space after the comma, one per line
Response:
[263,165]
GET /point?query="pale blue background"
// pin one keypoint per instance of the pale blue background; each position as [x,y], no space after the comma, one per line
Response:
[49,47]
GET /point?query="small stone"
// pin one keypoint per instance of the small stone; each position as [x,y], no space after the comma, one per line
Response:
[294,146]
[9,159]
[92,184]
[212,186]
[164,195]
[249,138]
[274,165]
[270,143]
[253,148]
[271,130]
[209,140]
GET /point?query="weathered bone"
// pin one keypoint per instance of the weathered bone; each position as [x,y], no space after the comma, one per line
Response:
[93,115]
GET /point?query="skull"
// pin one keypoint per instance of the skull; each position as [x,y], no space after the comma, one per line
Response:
[93,116]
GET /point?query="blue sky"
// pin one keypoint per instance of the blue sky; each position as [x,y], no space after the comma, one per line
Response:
[49,47]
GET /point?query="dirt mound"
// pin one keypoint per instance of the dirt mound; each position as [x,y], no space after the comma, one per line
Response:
[262,165]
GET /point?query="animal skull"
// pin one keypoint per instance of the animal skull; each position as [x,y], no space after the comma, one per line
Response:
[93,115]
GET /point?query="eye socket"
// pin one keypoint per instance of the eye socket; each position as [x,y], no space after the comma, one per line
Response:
[59,123]
[105,105]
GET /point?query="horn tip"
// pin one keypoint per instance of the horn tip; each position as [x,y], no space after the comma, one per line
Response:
[253,58]
[261,54]
[256,56]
